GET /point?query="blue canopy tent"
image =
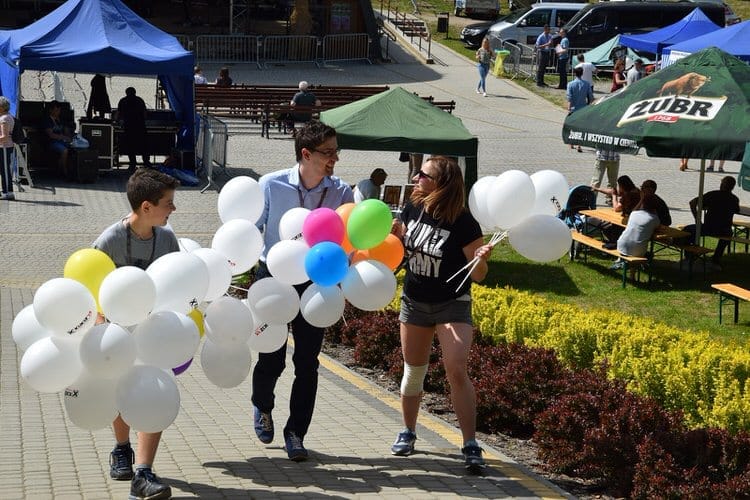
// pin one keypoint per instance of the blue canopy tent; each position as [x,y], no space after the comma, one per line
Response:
[693,25]
[98,36]
[734,39]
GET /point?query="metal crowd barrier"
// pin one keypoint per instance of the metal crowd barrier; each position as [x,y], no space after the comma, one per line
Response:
[349,47]
[227,49]
[185,41]
[293,48]
[211,147]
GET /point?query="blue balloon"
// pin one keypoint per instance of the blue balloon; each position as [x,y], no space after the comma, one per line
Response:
[326,263]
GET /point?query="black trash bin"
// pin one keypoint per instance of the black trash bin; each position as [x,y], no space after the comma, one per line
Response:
[442,22]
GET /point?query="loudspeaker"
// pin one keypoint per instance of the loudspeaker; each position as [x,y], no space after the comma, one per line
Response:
[85,165]
[100,137]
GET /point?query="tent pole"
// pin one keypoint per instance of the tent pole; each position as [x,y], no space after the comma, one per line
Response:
[699,211]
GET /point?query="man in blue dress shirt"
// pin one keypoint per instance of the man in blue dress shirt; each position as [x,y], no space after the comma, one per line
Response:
[544,52]
[309,184]
[580,93]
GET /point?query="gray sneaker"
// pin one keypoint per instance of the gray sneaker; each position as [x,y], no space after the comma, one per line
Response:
[473,460]
[121,463]
[404,444]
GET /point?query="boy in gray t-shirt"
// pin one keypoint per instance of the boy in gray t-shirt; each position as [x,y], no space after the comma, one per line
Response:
[137,240]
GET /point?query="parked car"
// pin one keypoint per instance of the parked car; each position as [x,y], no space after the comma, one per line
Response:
[596,23]
[482,9]
[525,25]
[473,34]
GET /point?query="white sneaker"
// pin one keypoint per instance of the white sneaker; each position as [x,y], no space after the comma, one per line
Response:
[479,91]
[484,94]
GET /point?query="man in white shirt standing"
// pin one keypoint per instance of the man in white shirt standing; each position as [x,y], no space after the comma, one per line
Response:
[635,73]
[370,188]
[589,70]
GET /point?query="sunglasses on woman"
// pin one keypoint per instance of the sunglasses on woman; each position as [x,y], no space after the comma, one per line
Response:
[423,175]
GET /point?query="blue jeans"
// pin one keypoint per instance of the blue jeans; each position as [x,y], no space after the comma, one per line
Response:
[483,70]
[308,341]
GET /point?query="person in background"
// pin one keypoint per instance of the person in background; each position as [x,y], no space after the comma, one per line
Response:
[131,112]
[618,76]
[683,164]
[138,240]
[635,73]
[305,98]
[198,77]
[543,47]
[579,94]
[370,188]
[484,56]
[662,210]
[99,100]
[607,162]
[625,197]
[710,167]
[224,80]
[642,222]
[59,136]
[720,206]
[440,236]
[562,60]
[309,184]
[6,149]
[589,70]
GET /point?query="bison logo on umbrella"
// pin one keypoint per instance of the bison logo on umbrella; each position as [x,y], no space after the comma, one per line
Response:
[686,85]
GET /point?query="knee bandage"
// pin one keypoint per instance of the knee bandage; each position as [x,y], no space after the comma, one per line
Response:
[413,379]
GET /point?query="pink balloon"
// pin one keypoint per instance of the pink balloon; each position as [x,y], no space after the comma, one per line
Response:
[323,224]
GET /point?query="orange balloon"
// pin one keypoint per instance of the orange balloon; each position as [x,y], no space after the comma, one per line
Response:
[344,211]
[390,252]
[360,255]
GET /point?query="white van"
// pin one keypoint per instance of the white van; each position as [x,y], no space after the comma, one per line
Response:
[488,9]
[525,25]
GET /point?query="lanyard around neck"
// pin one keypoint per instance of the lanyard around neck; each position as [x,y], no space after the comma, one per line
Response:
[128,245]
[302,200]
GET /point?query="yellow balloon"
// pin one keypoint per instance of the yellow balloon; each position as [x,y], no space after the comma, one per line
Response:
[197,317]
[89,267]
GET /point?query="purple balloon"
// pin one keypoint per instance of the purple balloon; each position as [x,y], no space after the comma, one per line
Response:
[182,367]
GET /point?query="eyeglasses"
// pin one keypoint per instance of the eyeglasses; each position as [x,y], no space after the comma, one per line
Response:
[330,153]
[423,175]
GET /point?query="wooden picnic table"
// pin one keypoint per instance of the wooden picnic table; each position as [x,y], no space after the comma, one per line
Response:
[609,215]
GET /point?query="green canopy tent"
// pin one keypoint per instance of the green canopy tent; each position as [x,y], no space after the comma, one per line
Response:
[398,120]
[698,107]
[602,56]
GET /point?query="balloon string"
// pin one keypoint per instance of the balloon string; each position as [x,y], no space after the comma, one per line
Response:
[496,238]
[239,288]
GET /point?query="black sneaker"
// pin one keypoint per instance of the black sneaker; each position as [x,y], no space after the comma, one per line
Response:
[473,460]
[294,447]
[263,424]
[147,486]
[121,463]
[404,444]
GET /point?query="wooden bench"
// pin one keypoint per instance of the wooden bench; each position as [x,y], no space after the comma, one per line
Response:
[635,262]
[729,292]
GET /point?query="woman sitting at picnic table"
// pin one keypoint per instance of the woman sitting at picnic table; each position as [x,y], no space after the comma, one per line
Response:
[642,222]
[625,197]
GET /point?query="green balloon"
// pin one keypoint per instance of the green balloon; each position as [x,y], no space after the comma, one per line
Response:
[369,224]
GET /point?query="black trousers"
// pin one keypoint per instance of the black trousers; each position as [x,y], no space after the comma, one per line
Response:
[544,56]
[7,173]
[308,341]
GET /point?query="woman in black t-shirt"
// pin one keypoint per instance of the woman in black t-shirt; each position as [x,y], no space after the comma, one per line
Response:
[440,236]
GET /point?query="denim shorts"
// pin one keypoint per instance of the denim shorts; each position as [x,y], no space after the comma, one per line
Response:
[424,314]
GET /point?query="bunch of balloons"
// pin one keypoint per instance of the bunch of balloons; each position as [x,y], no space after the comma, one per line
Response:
[526,207]
[157,317]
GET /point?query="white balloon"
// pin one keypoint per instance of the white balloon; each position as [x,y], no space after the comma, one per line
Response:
[241,198]
[219,272]
[228,321]
[322,306]
[226,366]
[286,261]
[91,401]
[51,364]
[240,242]
[127,295]
[541,238]
[107,350]
[26,328]
[268,338]
[369,285]
[273,301]
[166,339]
[181,281]
[551,192]
[188,245]
[290,225]
[511,198]
[478,202]
[148,398]
[65,307]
